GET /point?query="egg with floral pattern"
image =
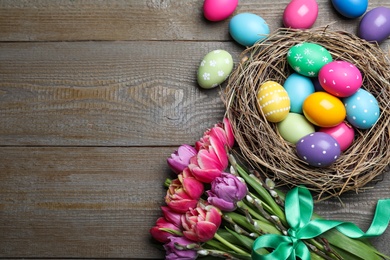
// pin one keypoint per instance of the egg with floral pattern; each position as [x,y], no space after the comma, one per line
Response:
[214,69]
[273,101]
[308,58]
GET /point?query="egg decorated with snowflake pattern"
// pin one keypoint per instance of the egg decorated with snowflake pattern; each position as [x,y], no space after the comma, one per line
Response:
[214,68]
[308,58]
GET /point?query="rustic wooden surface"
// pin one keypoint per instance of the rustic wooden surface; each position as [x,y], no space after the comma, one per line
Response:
[94,95]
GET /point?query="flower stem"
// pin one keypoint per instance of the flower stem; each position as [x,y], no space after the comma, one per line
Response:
[230,245]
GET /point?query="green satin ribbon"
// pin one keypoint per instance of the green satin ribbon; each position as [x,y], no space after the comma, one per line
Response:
[299,211]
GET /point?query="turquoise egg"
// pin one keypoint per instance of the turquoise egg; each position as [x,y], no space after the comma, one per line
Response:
[248,28]
[362,109]
[298,87]
[308,58]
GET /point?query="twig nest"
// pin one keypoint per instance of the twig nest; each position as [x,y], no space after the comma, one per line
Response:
[260,141]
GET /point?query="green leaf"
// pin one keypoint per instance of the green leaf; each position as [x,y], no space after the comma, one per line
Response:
[242,240]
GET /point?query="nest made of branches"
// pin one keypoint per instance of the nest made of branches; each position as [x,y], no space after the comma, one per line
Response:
[264,148]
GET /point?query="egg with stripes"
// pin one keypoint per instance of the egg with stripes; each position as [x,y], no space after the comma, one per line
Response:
[273,101]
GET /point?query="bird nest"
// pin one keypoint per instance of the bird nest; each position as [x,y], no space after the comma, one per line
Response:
[264,148]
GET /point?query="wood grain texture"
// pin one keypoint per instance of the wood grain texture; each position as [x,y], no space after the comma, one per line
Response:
[105,93]
[162,20]
[100,202]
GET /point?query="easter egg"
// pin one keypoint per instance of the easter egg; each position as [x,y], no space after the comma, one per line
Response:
[214,69]
[350,8]
[343,133]
[362,109]
[308,58]
[324,109]
[340,78]
[375,25]
[294,127]
[318,149]
[300,14]
[298,88]
[273,101]
[248,28]
[218,10]
[317,85]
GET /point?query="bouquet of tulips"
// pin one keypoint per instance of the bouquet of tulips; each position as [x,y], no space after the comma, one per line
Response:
[217,208]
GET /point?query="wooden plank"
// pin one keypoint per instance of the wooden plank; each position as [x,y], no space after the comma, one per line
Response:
[101,202]
[105,93]
[64,20]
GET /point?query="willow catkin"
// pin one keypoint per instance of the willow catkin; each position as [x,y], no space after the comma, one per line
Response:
[264,148]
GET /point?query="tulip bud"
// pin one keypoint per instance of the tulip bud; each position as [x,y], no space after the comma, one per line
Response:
[180,159]
[164,229]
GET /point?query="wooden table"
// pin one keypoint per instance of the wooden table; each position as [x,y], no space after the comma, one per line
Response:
[94,96]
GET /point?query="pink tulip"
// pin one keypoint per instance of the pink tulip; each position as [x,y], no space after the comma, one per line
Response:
[201,223]
[180,159]
[161,231]
[206,166]
[177,199]
[191,186]
[226,191]
[171,216]
[175,249]
[221,131]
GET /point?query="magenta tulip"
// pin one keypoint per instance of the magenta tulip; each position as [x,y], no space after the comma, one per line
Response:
[193,187]
[180,159]
[226,191]
[201,223]
[163,229]
[175,249]
[171,216]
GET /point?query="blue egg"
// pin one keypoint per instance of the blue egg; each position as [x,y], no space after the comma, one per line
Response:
[362,109]
[298,87]
[350,8]
[248,28]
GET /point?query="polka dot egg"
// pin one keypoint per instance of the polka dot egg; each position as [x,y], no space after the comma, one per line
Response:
[362,109]
[318,149]
[273,101]
[214,69]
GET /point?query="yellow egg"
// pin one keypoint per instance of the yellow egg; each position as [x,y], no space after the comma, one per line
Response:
[273,100]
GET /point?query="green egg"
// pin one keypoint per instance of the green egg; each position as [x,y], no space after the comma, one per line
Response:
[308,58]
[294,127]
[214,69]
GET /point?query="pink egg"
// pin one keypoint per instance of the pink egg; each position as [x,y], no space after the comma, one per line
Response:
[300,14]
[218,10]
[343,133]
[340,78]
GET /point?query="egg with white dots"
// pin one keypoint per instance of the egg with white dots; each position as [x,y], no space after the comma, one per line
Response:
[362,109]
[318,149]
[273,101]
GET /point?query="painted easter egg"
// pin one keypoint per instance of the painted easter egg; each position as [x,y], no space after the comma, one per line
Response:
[350,8]
[300,14]
[218,10]
[308,58]
[375,25]
[340,78]
[294,127]
[343,133]
[298,88]
[318,149]
[324,109]
[248,28]
[362,109]
[273,101]
[214,69]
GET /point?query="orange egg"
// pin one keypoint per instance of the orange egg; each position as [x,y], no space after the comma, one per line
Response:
[323,109]
[274,101]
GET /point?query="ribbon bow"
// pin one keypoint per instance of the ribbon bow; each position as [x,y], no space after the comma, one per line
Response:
[299,210]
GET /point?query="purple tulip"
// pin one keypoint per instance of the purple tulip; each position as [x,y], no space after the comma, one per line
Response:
[175,249]
[226,191]
[180,159]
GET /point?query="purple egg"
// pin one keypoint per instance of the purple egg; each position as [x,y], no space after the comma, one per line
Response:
[318,149]
[375,25]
